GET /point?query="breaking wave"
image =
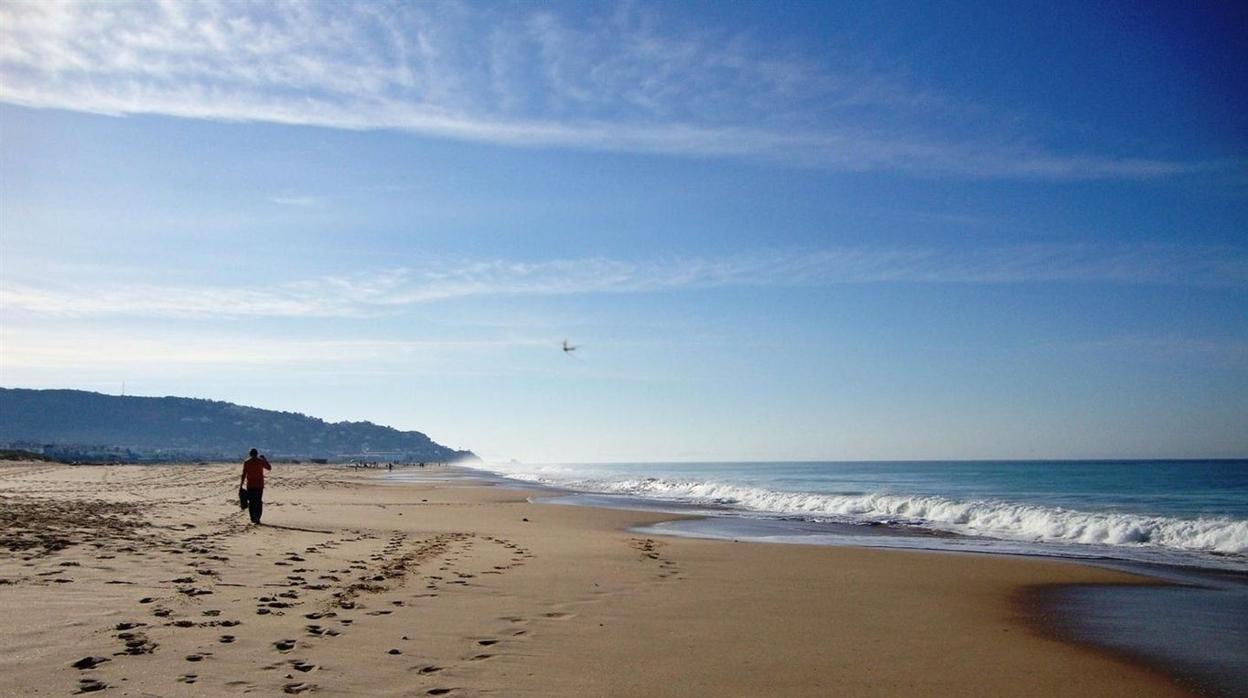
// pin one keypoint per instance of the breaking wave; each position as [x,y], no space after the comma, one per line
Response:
[980,517]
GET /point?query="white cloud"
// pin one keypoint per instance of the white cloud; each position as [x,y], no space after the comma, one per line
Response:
[67,348]
[511,76]
[294,300]
[391,290]
[298,201]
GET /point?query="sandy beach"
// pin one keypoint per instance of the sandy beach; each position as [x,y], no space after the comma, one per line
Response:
[149,580]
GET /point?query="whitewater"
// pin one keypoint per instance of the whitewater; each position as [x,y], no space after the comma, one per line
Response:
[1107,508]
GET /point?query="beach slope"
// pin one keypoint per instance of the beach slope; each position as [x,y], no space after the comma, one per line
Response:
[149,579]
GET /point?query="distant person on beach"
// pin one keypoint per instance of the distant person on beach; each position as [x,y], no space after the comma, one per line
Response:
[253,478]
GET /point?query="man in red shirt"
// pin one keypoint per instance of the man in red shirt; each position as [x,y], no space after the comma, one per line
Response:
[253,477]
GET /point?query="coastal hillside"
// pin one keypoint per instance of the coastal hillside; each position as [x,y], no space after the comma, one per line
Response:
[65,422]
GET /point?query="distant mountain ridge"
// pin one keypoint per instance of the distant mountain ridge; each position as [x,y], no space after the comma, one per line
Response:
[196,428]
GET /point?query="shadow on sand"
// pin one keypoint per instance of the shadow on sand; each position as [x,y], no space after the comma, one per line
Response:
[294,528]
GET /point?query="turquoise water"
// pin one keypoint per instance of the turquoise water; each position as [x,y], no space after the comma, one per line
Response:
[1192,513]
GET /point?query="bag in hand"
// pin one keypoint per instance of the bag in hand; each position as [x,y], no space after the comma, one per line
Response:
[242,498]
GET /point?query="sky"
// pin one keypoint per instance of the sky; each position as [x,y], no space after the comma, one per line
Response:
[774,231]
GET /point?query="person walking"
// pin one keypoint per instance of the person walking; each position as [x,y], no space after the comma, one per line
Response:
[253,478]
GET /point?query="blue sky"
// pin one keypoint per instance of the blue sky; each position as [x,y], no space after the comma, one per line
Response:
[776,231]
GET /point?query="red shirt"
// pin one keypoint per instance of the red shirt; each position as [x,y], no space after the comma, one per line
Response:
[254,469]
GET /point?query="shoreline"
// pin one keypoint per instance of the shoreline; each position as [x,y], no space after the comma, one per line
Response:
[1047,608]
[841,503]
[1187,629]
[448,587]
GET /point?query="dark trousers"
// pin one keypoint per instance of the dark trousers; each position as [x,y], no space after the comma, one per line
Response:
[255,504]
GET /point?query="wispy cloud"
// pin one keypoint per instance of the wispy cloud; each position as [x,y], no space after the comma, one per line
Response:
[391,290]
[69,348]
[517,76]
[298,201]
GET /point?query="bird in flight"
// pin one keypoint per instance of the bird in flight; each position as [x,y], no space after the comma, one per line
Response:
[568,348]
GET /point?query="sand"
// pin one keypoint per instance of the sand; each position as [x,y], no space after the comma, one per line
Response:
[138,580]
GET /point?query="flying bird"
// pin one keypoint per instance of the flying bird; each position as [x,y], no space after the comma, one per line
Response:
[568,348]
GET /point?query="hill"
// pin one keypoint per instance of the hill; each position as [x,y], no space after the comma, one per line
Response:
[138,428]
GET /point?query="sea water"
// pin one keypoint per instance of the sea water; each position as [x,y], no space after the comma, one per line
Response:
[1184,521]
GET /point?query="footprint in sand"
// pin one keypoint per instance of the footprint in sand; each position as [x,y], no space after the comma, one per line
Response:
[89,662]
[91,685]
[319,631]
[284,645]
[188,678]
[194,591]
[136,643]
[225,639]
[438,691]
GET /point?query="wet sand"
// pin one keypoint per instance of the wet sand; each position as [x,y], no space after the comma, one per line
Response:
[133,580]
